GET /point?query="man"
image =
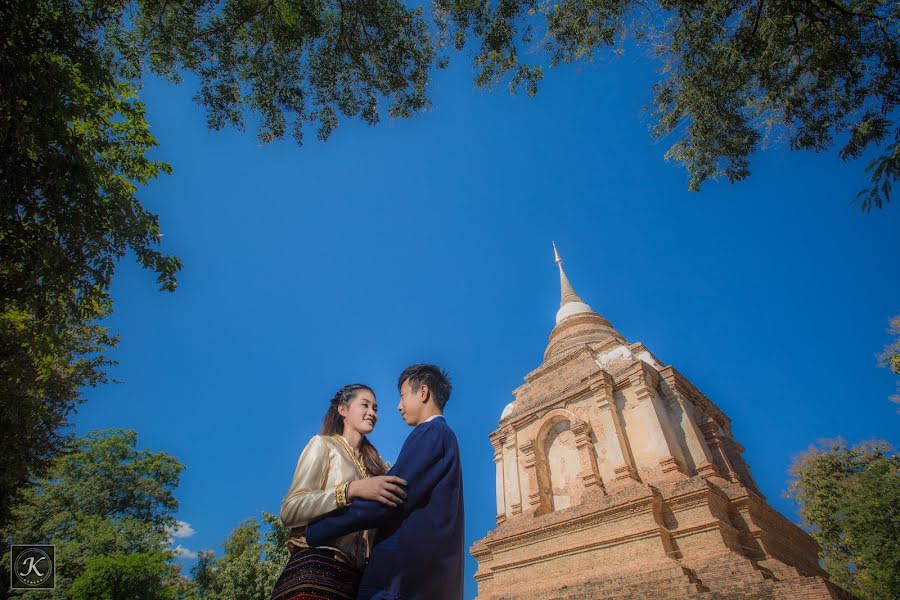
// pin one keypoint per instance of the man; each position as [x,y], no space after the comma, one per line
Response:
[418,549]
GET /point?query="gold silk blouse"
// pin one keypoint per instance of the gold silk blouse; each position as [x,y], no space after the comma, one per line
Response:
[323,465]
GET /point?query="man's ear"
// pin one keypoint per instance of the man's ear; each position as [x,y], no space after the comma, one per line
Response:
[424,393]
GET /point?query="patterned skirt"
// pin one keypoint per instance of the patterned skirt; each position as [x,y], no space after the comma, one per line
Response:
[315,574]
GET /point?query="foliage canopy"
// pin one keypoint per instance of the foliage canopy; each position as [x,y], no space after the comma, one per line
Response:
[103,499]
[132,576]
[294,63]
[73,152]
[849,497]
[250,566]
[734,74]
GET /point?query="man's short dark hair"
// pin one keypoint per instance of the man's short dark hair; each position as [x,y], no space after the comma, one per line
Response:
[433,376]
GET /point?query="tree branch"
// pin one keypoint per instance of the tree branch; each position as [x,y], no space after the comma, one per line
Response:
[846,11]
[756,19]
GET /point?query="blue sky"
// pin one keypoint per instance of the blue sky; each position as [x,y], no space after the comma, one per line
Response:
[429,240]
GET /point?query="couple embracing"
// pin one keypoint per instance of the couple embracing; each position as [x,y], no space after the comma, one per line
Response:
[359,531]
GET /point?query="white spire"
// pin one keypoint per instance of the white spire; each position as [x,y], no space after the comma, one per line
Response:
[570,302]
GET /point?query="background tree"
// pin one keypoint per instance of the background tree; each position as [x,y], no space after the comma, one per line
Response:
[890,358]
[102,500]
[250,566]
[203,575]
[124,577]
[73,151]
[850,500]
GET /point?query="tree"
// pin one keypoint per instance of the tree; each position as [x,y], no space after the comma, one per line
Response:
[73,151]
[203,573]
[849,498]
[294,63]
[73,154]
[102,499]
[735,74]
[250,566]
[890,358]
[124,577]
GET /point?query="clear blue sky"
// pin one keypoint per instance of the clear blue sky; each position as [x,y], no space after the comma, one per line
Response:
[429,240]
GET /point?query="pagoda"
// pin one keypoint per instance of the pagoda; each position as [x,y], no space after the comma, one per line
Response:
[618,478]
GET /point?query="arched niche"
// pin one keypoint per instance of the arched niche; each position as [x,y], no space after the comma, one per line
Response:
[563,461]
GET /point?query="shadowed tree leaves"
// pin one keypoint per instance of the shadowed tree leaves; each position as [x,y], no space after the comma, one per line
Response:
[295,63]
[73,151]
[74,145]
[850,499]
[735,75]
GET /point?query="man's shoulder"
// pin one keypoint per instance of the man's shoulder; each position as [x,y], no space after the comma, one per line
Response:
[438,424]
[439,428]
[429,430]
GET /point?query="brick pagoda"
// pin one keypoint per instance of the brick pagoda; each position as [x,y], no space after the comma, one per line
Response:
[617,478]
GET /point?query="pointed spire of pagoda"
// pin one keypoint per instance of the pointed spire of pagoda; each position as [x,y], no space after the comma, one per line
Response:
[577,324]
[567,292]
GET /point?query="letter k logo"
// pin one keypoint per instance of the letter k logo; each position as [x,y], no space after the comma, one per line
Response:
[32,566]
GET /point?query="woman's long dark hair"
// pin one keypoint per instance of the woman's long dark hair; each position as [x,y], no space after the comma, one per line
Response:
[334,423]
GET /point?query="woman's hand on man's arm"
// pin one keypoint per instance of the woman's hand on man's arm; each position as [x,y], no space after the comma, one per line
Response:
[385,489]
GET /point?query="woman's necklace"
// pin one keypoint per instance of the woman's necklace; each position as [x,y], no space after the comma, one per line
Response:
[358,463]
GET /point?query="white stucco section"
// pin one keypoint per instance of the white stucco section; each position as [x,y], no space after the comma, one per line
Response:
[667,426]
[507,410]
[513,495]
[524,484]
[623,352]
[696,444]
[501,487]
[572,308]
[563,463]
[648,442]
[607,448]
[648,358]
[619,352]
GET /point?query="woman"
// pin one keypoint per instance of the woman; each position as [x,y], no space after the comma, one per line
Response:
[337,466]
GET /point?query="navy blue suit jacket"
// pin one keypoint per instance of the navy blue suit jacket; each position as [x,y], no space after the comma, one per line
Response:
[418,548]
